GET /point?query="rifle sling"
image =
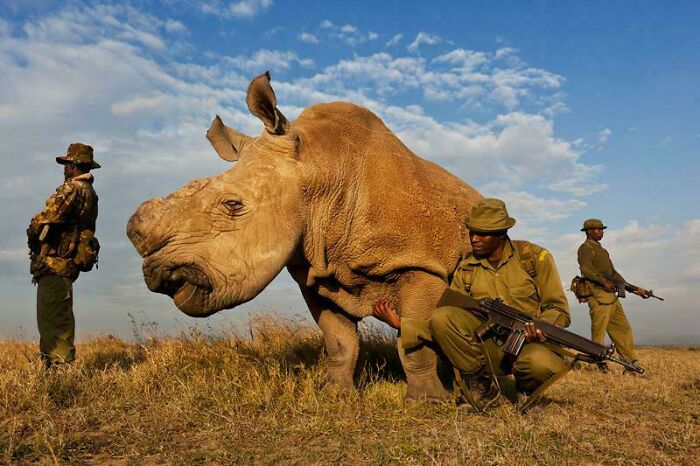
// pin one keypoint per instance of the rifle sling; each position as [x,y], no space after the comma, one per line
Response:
[537,394]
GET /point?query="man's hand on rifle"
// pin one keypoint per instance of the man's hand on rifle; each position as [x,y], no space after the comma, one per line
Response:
[644,294]
[609,286]
[533,334]
[387,314]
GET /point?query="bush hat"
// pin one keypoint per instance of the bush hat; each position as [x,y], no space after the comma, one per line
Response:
[593,224]
[79,154]
[489,216]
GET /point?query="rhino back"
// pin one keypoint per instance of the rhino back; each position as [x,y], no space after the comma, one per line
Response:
[376,207]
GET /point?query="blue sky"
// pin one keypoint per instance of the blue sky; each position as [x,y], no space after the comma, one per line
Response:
[565,111]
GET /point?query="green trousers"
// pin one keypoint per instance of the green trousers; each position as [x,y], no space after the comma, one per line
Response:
[611,318]
[453,330]
[54,314]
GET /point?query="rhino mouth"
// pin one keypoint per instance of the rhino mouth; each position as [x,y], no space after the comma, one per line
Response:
[182,282]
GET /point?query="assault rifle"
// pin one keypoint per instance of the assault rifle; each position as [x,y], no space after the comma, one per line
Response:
[509,323]
[621,286]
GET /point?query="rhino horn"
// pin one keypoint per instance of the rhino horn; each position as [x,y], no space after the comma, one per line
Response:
[227,141]
[262,103]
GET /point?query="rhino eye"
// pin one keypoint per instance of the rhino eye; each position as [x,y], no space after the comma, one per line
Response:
[234,207]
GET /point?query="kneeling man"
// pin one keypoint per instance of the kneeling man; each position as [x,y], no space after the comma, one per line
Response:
[525,277]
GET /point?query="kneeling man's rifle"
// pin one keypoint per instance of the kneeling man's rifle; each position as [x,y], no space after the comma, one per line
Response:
[509,323]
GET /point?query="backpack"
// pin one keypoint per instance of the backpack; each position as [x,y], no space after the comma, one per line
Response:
[523,253]
[87,252]
[581,288]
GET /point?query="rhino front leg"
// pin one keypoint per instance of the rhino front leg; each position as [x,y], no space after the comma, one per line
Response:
[418,296]
[342,345]
[340,336]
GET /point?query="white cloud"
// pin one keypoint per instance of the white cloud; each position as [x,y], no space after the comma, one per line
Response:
[465,76]
[466,60]
[396,38]
[347,33]
[517,149]
[423,38]
[137,104]
[604,135]
[174,26]
[264,59]
[505,52]
[241,9]
[5,28]
[308,38]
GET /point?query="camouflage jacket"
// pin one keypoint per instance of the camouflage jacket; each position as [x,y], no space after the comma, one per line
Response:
[70,210]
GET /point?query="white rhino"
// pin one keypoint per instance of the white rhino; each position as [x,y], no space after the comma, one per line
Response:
[334,197]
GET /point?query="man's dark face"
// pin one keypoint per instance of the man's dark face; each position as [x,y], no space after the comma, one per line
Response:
[484,244]
[595,233]
[69,170]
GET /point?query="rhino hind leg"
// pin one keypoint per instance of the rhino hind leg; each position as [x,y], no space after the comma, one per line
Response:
[418,297]
[421,374]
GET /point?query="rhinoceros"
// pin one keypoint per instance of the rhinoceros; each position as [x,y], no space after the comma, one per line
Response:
[336,198]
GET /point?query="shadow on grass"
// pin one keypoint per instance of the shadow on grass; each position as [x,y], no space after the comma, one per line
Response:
[113,358]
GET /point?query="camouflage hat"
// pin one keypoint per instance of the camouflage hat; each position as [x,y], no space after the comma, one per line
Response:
[489,216]
[79,154]
[593,224]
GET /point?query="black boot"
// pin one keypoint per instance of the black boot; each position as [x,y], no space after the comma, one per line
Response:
[480,390]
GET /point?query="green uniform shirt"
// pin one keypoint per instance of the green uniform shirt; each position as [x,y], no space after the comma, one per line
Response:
[595,263]
[542,297]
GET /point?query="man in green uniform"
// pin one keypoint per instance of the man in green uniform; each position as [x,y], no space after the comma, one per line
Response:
[605,282]
[524,276]
[62,244]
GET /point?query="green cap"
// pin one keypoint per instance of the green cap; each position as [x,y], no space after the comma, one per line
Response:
[79,154]
[593,224]
[489,216]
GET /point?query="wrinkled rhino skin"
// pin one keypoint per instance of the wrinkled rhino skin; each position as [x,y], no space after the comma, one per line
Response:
[334,197]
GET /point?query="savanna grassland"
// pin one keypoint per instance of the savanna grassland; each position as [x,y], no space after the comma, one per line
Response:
[257,398]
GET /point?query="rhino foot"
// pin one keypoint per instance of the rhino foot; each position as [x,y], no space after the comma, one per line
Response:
[339,380]
[426,387]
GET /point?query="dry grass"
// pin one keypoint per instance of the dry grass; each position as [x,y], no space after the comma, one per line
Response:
[233,399]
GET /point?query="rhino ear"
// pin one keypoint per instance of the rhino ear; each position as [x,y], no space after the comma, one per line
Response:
[227,141]
[262,103]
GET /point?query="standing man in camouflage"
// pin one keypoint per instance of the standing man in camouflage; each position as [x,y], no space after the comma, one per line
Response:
[525,277]
[62,244]
[605,282]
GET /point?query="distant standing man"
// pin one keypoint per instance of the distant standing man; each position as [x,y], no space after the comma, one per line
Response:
[62,244]
[524,276]
[605,282]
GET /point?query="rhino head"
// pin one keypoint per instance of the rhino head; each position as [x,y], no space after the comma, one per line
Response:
[219,241]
